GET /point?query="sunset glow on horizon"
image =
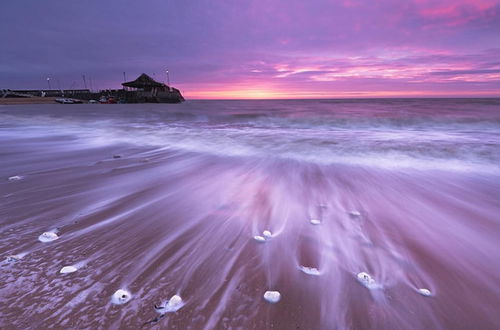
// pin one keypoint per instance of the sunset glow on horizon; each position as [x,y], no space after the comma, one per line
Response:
[261,50]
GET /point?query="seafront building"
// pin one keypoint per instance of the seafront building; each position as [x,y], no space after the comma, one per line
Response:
[144,89]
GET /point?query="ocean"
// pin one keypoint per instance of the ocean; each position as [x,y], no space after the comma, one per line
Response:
[362,214]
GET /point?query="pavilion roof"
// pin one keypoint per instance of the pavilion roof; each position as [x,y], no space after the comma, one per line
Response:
[143,81]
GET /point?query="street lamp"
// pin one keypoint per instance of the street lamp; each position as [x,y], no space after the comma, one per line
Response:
[48,82]
[168,82]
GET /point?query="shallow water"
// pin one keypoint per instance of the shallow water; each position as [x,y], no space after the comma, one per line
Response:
[405,190]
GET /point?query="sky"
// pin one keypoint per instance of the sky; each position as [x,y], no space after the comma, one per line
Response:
[227,49]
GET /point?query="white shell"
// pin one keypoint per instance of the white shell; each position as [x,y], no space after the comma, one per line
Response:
[259,239]
[267,234]
[272,296]
[15,178]
[367,280]
[48,236]
[424,292]
[68,269]
[355,213]
[310,270]
[120,297]
[315,221]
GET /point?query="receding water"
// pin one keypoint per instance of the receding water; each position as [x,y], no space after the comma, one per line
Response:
[165,200]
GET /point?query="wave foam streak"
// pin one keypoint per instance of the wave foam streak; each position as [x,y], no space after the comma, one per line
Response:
[183,223]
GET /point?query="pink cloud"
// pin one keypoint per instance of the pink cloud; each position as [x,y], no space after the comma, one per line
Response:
[400,74]
[455,13]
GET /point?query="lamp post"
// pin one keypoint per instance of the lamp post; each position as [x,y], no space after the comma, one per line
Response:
[48,82]
[124,80]
[168,82]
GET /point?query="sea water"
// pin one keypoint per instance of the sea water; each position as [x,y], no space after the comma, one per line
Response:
[166,200]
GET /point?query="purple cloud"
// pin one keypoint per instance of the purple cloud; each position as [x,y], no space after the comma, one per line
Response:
[258,48]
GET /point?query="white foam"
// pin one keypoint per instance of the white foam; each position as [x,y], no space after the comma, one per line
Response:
[121,297]
[272,296]
[48,236]
[68,269]
[315,221]
[367,280]
[15,178]
[394,153]
[170,306]
[310,270]
[424,292]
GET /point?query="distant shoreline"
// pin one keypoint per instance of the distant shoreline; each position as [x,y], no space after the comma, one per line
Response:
[27,100]
[51,100]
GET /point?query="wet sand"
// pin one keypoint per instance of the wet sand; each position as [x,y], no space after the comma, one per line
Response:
[159,222]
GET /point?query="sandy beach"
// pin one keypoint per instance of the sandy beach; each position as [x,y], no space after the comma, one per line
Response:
[27,100]
[160,217]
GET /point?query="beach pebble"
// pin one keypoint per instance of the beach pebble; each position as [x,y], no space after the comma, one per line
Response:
[424,292]
[15,178]
[259,238]
[272,296]
[267,234]
[310,270]
[117,156]
[172,305]
[48,236]
[68,269]
[367,280]
[121,297]
[354,213]
[315,221]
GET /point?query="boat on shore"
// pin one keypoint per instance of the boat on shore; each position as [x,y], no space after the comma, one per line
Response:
[65,100]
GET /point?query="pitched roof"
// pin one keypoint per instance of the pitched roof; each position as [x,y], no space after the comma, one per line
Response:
[143,81]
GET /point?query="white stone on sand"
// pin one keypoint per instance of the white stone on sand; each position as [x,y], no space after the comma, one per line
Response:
[172,305]
[259,238]
[267,234]
[424,292]
[310,270]
[68,269]
[355,213]
[48,236]
[272,296]
[121,297]
[13,258]
[367,280]
[15,178]
[315,221]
